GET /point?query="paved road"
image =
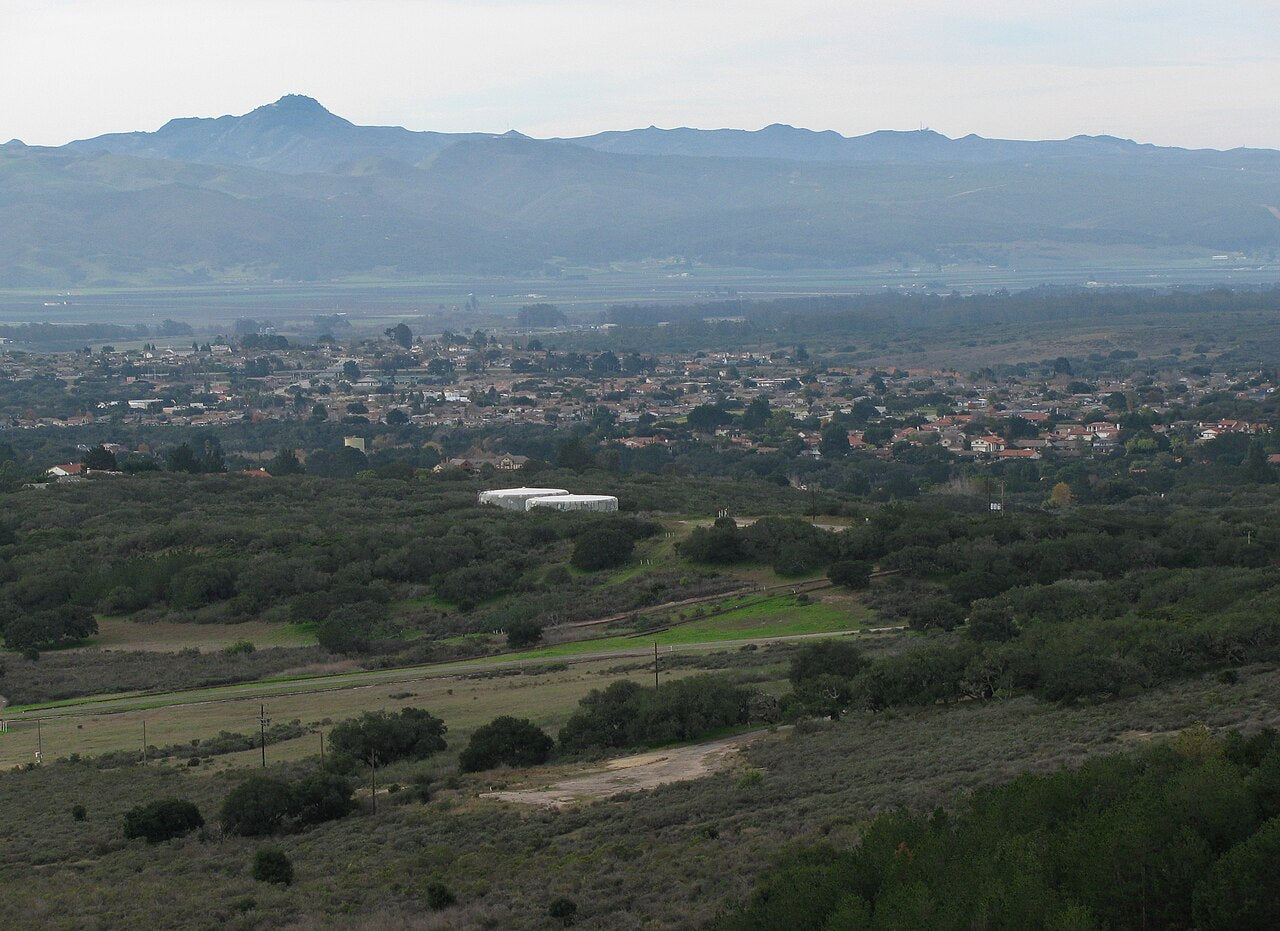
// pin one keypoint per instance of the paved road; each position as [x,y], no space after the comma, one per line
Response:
[352,680]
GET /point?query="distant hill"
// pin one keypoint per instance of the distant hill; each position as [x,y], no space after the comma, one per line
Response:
[789,142]
[292,191]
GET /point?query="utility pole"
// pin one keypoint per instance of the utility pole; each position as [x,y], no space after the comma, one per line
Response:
[39,742]
[144,741]
[322,748]
[655,665]
[373,775]
[263,721]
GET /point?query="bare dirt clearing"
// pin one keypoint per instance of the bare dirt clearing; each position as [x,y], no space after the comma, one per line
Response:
[632,773]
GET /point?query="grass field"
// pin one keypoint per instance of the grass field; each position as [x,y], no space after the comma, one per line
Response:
[779,616]
[464,704]
[167,636]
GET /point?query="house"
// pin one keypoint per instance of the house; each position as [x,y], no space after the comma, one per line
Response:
[503,463]
[987,444]
[62,471]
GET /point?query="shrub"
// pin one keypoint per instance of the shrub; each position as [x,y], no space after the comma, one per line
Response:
[626,714]
[602,548]
[850,573]
[826,658]
[78,813]
[272,865]
[261,805]
[422,786]
[162,820]
[257,806]
[563,910]
[240,646]
[506,741]
[438,896]
[322,797]
[411,734]
[523,633]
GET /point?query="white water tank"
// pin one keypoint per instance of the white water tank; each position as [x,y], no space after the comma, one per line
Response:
[513,499]
[574,503]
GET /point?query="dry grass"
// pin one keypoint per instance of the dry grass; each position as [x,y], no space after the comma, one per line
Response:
[116,633]
[463,703]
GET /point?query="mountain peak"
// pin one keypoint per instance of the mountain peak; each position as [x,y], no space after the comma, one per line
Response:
[295,109]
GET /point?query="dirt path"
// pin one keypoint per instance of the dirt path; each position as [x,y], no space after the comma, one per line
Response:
[630,773]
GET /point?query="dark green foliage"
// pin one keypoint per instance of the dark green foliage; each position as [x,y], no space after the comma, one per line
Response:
[387,736]
[272,865]
[320,797]
[573,454]
[706,417]
[261,805]
[825,695]
[602,548]
[789,545]
[1125,842]
[840,658]
[347,629]
[162,820]
[256,807]
[719,544]
[626,714]
[79,813]
[100,459]
[522,633]
[401,335]
[285,463]
[506,741]
[439,896]
[540,315]
[820,674]
[850,573]
[51,627]
[563,910]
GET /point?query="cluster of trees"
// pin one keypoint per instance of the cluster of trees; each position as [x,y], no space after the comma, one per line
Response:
[506,741]
[162,820]
[627,714]
[191,549]
[29,630]
[377,738]
[791,546]
[821,677]
[262,805]
[1184,835]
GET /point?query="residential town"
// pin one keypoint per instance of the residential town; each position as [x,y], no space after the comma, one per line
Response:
[761,401]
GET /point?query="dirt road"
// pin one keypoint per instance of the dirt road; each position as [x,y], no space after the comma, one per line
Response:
[631,773]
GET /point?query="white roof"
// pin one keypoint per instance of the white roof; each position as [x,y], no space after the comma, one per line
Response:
[568,497]
[524,492]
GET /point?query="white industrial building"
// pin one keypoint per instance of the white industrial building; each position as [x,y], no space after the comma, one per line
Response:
[514,499]
[568,502]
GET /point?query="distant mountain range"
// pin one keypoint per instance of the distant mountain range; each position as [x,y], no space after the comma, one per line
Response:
[293,191]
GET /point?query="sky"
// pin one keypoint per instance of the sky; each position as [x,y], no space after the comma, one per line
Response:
[1171,72]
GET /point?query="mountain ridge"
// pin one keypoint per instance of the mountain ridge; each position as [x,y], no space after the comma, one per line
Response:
[298,134]
[293,192]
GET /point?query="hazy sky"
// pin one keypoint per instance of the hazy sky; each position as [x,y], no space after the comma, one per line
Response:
[1166,71]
